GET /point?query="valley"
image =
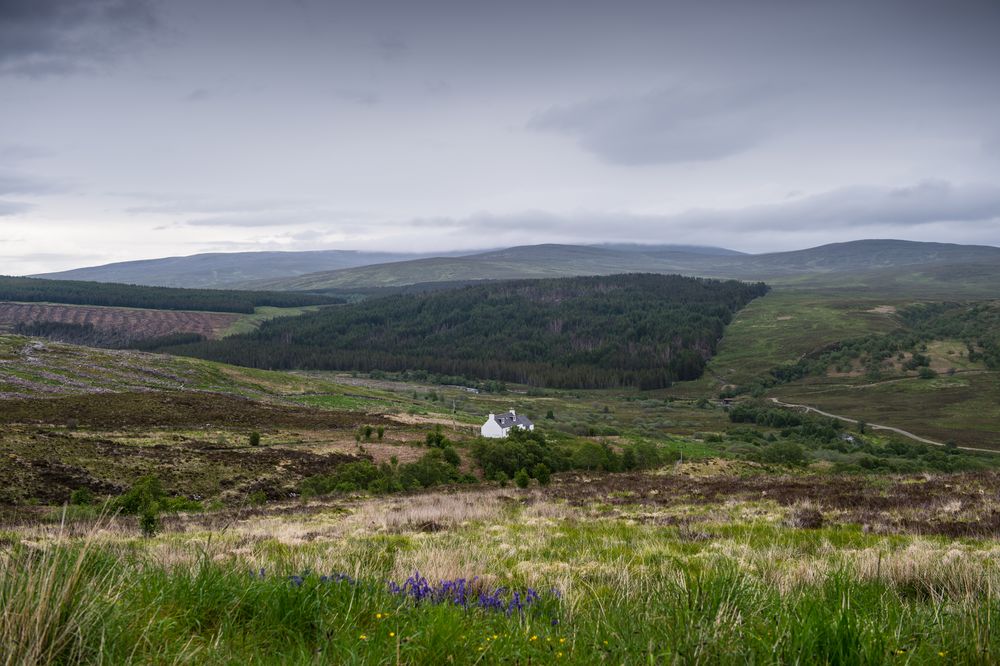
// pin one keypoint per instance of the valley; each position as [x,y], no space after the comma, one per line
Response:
[352,509]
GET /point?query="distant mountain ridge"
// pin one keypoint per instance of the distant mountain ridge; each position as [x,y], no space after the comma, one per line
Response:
[536,261]
[342,270]
[228,269]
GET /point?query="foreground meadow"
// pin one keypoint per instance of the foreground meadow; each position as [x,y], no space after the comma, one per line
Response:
[707,562]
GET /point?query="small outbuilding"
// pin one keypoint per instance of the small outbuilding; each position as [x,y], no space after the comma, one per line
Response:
[499,425]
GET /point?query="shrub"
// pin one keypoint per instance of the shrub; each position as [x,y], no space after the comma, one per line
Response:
[926,373]
[81,497]
[380,432]
[436,438]
[451,456]
[501,478]
[550,416]
[431,470]
[784,453]
[255,438]
[521,478]
[542,474]
[149,521]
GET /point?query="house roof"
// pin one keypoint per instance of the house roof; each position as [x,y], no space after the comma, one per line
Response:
[507,420]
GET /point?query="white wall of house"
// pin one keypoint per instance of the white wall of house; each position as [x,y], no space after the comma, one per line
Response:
[492,429]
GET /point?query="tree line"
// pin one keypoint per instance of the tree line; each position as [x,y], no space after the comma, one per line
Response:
[77,292]
[585,332]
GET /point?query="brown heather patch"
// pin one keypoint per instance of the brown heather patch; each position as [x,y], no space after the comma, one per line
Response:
[175,409]
[955,505]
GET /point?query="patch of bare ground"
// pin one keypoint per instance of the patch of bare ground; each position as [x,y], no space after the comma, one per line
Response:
[419,419]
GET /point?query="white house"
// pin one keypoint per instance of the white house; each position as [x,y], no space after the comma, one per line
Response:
[499,425]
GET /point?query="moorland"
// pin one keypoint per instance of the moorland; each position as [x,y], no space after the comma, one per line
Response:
[171,507]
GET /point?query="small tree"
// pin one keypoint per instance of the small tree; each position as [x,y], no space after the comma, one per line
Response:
[149,521]
[542,474]
[521,478]
[862,426]
[255,438]
[550,416]
[380,432]
[368,430]
[501,478]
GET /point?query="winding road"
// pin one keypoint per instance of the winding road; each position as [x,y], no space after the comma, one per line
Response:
[874,426]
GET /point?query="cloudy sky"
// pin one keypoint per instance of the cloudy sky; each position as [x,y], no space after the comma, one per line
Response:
[133,129]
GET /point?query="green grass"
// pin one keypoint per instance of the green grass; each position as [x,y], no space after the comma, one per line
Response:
[962,408]
[633,594]
[784,325]
[250,323]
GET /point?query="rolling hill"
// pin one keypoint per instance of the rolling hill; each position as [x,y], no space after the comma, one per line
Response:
[832,263]
[225,269]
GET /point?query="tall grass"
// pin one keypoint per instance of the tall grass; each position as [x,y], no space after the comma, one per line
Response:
[53,603]
[94,601]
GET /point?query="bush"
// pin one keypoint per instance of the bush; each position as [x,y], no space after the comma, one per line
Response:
[521,478]
[784,453]
[501,478]
[380,432]
[522,449]
[437,439]
[149,521]
[451,456]
[81,497]
[542,474]
[926,373]
[255,438]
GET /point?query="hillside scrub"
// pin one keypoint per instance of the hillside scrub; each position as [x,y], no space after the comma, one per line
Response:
[591,332]
[977,325]
[798,438]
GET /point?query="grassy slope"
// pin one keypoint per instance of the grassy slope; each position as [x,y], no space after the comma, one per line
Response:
[790,322]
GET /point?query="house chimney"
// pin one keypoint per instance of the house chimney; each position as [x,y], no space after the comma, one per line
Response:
[512,413]
[492,415]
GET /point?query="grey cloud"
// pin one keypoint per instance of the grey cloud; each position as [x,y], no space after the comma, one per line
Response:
[19,152]
[391,47]
[926,203]
[14,183]
[46,37]
[198,95]
[270,218]
[360,97]
[665,126]
[14,207]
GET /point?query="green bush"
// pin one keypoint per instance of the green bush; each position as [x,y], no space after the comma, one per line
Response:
[783,453]
[149,521]
[521,478]
[542,474]
[451,456]
[81,497]
[255,438]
